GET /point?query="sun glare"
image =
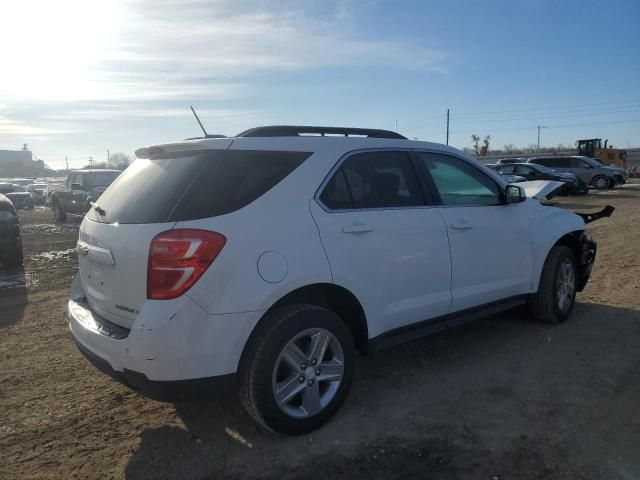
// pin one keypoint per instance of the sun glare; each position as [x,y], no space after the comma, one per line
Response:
[50,49]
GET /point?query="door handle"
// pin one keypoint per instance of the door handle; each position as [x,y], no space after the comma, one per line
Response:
[357,228]
[461,226]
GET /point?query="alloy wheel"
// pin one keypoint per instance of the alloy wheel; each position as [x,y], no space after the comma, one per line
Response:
[565,285]
[308,373]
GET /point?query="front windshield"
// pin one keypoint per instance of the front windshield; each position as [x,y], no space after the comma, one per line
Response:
[543,169]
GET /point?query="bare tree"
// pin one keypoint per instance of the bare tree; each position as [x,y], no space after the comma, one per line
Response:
[475,139]
[510,148]
[485,145]
[119,160]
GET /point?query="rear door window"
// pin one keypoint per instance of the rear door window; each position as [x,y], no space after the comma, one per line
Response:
[579,163]
[384,179]
[194,185]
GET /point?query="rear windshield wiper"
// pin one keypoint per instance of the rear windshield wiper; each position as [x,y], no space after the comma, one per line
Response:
[98,209]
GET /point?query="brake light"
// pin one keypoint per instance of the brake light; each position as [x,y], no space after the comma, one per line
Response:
[178,258]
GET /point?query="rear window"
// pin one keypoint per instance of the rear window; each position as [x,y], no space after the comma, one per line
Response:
[201,185]
[100,179]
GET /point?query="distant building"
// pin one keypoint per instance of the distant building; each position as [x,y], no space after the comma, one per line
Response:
[16,163]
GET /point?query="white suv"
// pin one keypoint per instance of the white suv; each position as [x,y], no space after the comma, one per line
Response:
[263,262]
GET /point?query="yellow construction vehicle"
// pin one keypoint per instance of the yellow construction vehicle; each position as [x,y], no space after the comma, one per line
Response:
[608,155]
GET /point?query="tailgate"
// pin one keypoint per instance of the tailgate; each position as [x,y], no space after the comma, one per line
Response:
[113,267]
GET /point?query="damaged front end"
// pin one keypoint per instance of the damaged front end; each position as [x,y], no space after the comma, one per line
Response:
[587,255]
[587,246]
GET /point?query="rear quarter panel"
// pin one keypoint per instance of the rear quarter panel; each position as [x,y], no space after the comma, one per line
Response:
[280,222]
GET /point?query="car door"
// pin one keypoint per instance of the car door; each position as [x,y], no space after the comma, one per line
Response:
[489,240]
[581,169]
[384,240]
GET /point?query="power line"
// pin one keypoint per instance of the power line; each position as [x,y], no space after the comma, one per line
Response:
[557,107]
[634,120]
[603,108]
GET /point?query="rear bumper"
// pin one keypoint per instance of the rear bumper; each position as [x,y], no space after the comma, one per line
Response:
[217,387]
[9,236]
[173,350]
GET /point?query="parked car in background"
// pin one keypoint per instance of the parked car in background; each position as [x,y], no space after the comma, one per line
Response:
[532,171]
[52,186]
[23,182]
[507,161]
[82,188]
[264,261]
[37,191]
[10,240]
[17,194]
[590,171]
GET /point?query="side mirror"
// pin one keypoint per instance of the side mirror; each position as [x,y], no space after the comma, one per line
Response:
[514,194]
[77,186]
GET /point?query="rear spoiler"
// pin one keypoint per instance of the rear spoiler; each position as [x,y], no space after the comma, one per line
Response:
[592,217]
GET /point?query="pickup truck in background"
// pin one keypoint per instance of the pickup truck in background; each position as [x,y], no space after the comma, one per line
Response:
[82,188]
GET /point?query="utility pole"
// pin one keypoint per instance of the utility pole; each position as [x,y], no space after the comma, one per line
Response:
[447,126]
[108,157]
[396,126]
[539,128]
[66,160]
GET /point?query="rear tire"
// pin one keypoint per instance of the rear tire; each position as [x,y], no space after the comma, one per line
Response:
[58,214]
[601,182]
[12,257]
[554,301]
[286,384]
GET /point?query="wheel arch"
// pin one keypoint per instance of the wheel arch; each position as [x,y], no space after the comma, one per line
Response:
[572,240]
[338,299]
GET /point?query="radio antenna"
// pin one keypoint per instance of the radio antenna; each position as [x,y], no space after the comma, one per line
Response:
[199,122]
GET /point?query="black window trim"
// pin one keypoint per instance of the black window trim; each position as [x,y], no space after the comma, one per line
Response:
[427,198]
[428,179]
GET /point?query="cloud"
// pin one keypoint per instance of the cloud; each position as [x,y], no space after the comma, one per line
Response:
[137,64]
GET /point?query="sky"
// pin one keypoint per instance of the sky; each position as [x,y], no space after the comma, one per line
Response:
[80,77]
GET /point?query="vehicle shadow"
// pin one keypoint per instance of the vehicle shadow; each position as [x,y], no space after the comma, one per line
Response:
[484,382]
[13,296]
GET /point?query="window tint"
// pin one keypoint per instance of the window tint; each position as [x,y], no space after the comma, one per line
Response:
[201,185]
[100,179]
[507,169]
[561,162]
[578,163]
[383,179]
[524,170]
[336,194]
[460,183]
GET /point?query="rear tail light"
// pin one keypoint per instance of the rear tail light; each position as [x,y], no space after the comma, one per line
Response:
[178,258]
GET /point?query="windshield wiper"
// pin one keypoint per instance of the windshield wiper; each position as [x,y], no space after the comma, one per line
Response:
[98,209]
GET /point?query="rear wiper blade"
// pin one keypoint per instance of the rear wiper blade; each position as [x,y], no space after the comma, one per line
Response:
[98,209]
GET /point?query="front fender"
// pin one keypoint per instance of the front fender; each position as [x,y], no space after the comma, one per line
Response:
[547,229]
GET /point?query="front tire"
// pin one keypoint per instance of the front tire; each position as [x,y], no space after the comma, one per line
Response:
[58,214]
[297,369]
[601,182]
[554,301]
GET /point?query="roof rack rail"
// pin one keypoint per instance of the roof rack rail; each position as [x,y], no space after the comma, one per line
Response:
[208,135]
[296,131]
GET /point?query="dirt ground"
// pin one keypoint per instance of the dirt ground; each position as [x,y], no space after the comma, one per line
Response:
[501,398]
